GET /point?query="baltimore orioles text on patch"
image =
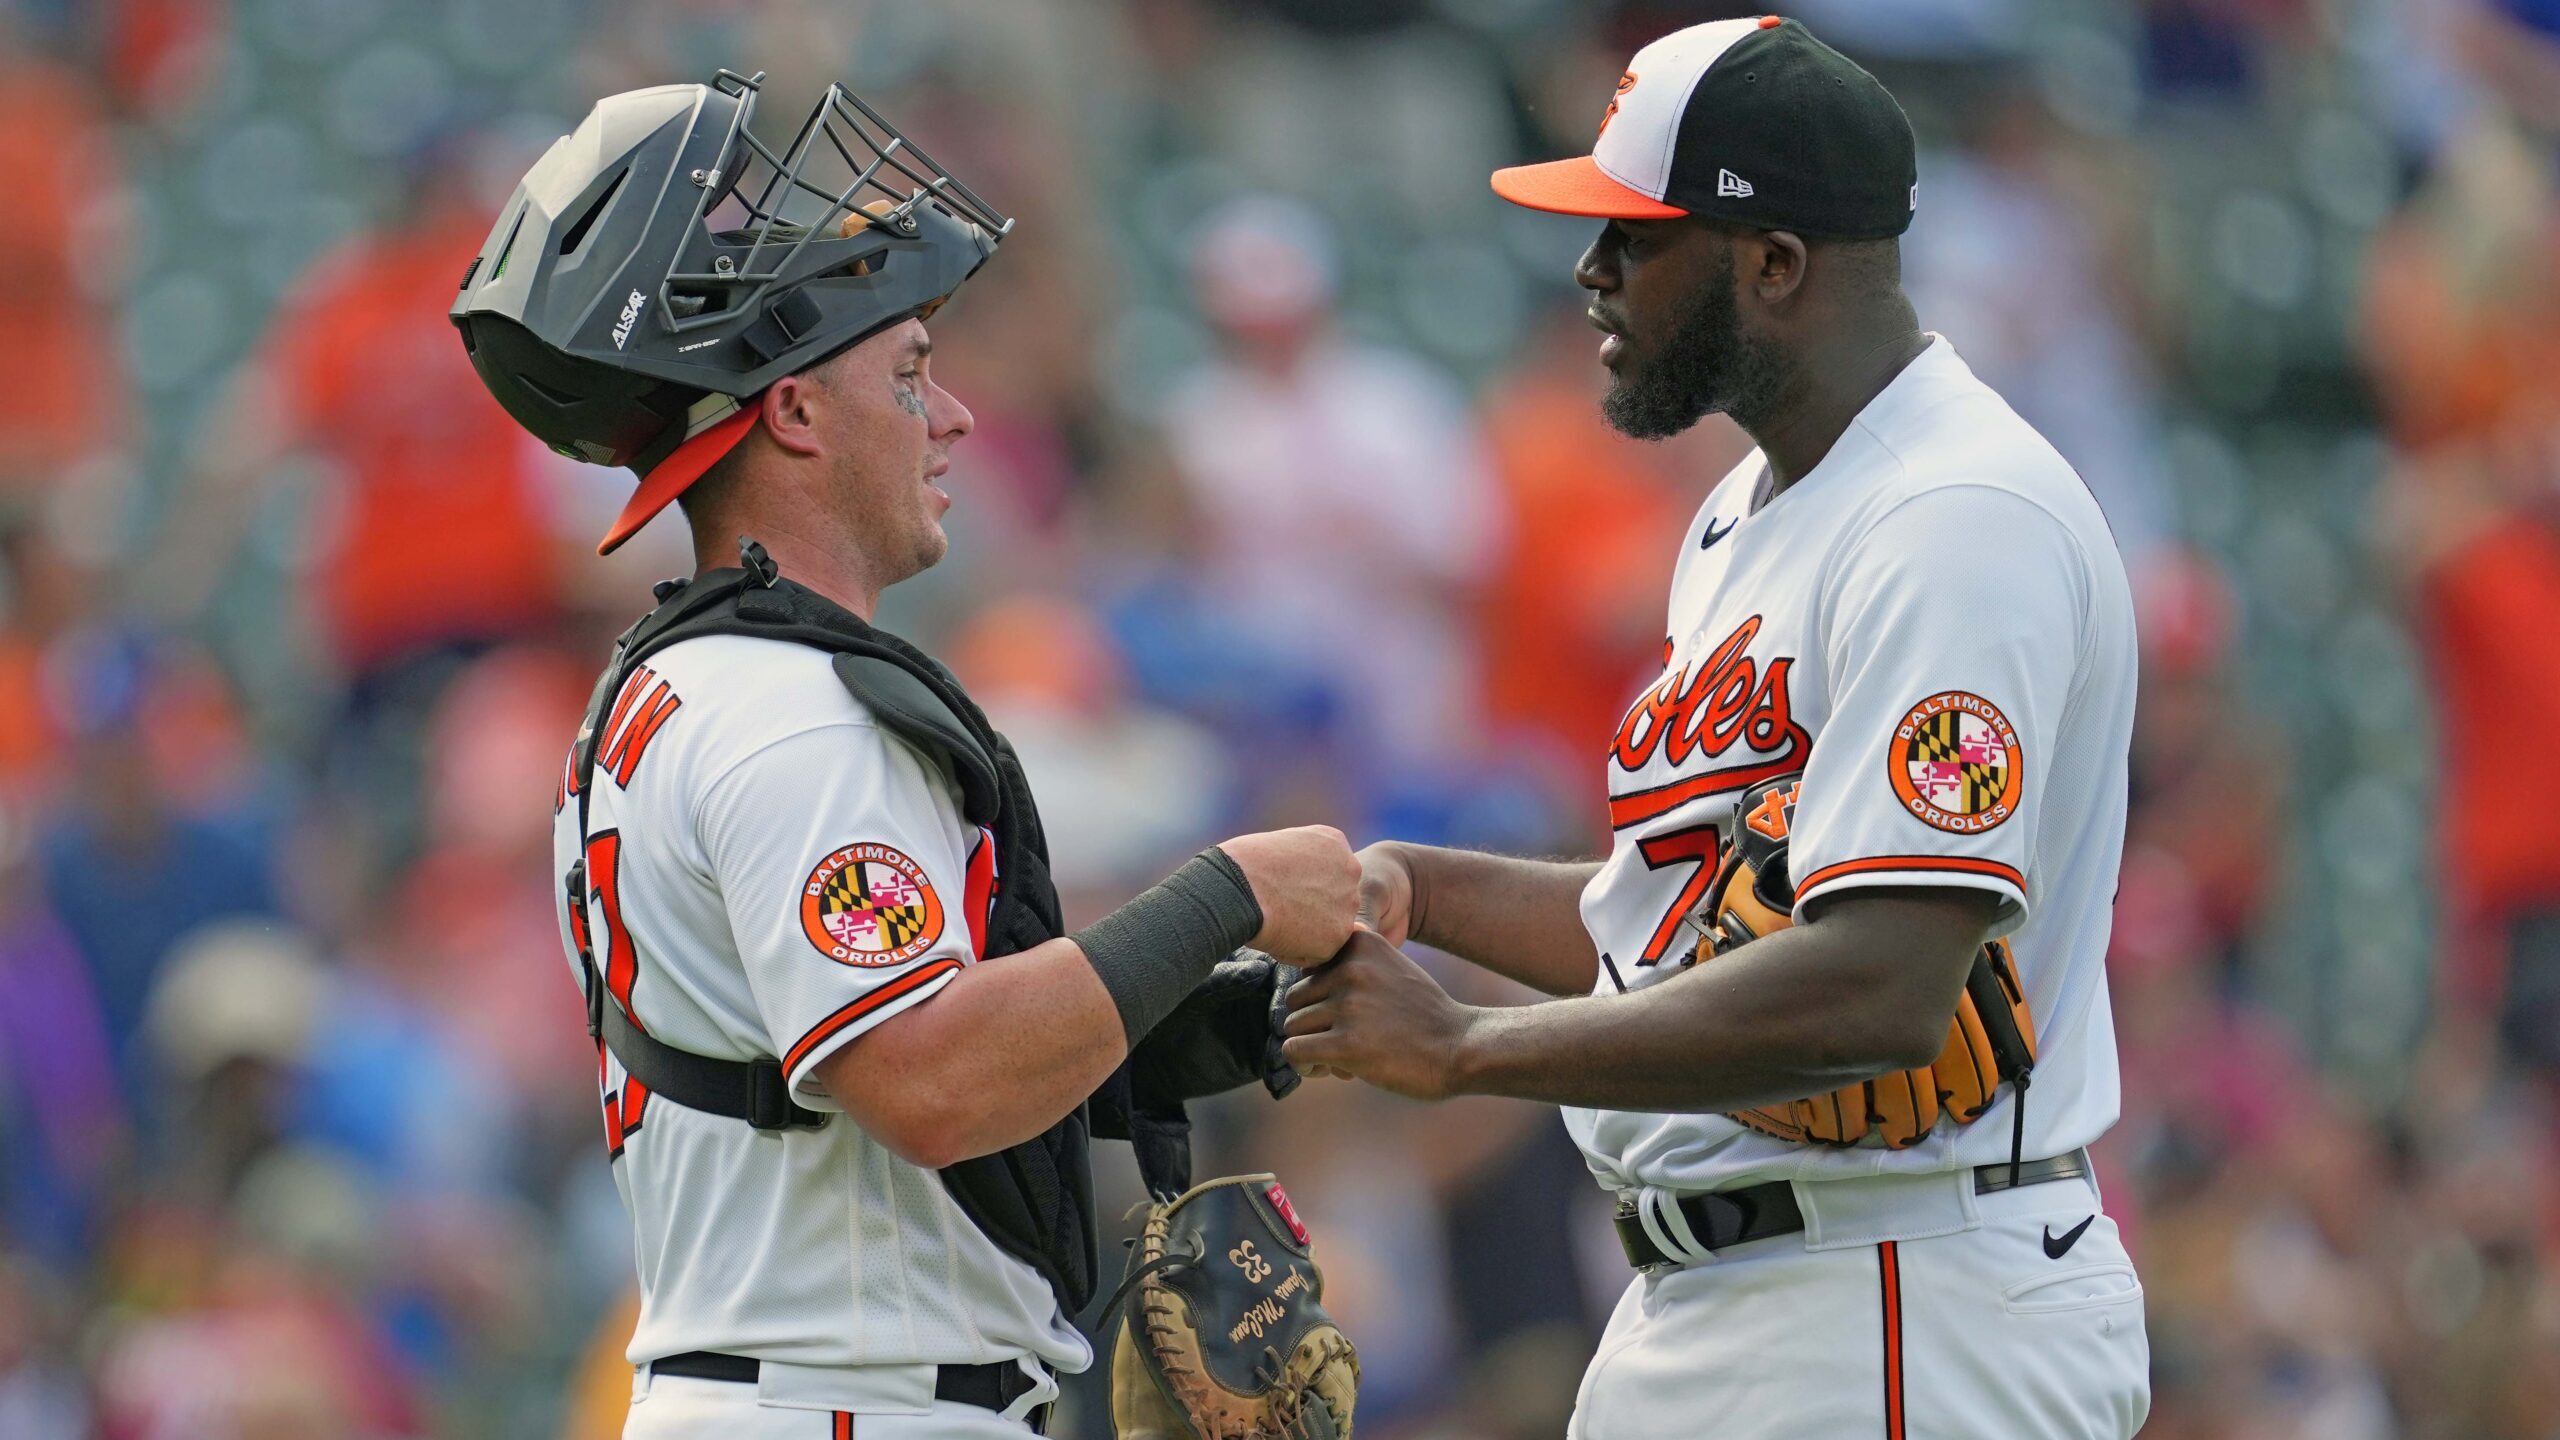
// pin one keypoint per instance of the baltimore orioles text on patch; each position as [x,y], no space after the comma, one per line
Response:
[868,904]
[1956,764]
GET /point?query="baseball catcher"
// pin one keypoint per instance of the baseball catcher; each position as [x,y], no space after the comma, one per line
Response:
[851,1057]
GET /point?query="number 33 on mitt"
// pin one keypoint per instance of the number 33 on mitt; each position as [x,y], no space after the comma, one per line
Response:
[1225,1335]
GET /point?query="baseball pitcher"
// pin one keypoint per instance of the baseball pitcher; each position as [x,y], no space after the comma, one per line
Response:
[1846,1033]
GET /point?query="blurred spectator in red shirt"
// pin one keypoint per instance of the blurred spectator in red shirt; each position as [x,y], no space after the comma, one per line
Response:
[2462,329]
[2208,776]
[62,398]
[44,593]
[156,56]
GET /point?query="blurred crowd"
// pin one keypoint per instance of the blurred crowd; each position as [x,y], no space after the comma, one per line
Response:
[1289,500]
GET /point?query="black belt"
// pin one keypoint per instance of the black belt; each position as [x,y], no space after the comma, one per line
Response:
[992,1386]
[1758,1212]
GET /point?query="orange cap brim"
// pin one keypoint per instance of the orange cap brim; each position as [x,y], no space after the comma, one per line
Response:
[669,477]
[1578,187]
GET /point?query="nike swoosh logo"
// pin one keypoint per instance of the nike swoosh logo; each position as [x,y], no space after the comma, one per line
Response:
[2055,1248]
[1715,533]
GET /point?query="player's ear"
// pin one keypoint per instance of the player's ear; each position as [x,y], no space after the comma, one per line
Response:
[1772,264]
[791,413]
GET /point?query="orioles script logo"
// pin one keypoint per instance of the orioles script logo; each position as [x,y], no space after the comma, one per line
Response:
[1724,701]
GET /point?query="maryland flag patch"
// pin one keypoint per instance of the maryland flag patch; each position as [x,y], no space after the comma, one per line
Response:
[869,904]
[1955,763]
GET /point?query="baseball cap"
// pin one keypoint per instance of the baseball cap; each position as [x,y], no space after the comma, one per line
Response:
[1751,121]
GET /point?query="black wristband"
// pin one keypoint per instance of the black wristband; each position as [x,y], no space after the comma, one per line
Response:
[1156,949]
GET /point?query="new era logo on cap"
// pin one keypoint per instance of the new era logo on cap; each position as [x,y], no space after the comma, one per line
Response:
[1829,152]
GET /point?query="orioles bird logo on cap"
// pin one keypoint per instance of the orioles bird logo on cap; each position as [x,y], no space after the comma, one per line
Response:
[1626,83]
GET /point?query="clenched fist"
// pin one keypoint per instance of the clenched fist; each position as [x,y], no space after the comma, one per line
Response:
[1307,882]
[1387,891]
[1375,1015]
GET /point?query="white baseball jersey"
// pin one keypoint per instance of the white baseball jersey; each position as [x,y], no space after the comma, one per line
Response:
[1934,626]
[769,873]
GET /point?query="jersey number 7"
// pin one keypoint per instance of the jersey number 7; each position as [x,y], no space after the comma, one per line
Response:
[1696,847]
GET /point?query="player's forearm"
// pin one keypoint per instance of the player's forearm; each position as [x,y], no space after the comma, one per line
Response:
[1010,1047]
[1518,918]
[1764,1024]
[999,1055]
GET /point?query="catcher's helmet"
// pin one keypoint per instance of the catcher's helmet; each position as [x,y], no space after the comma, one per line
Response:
[633,292]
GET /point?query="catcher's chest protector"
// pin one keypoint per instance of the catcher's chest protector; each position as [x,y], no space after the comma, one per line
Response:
[1035,1199]
[1990,1039]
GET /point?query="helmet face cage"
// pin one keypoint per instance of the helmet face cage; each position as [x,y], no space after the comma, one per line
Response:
[877,158]
[664,262]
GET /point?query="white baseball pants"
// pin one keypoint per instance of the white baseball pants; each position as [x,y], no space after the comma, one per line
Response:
[1840,1333]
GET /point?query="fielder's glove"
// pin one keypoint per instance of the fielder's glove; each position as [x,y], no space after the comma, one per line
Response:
[1225,1336]
[1225,1034]
[1990,1040]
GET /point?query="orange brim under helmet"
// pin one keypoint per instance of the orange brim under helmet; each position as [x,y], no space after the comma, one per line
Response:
[1578,187]
[669,477]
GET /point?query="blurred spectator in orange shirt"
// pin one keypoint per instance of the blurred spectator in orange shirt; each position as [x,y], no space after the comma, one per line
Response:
[2484,616]
[432,535]
[1571,621]
[597,1399]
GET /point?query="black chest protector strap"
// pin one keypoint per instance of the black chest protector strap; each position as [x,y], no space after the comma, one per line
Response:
[754,1091]
[1035,1199]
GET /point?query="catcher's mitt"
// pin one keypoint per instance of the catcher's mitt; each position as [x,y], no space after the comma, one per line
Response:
[1225,1336]
[1990,1039]
[1224,1035]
